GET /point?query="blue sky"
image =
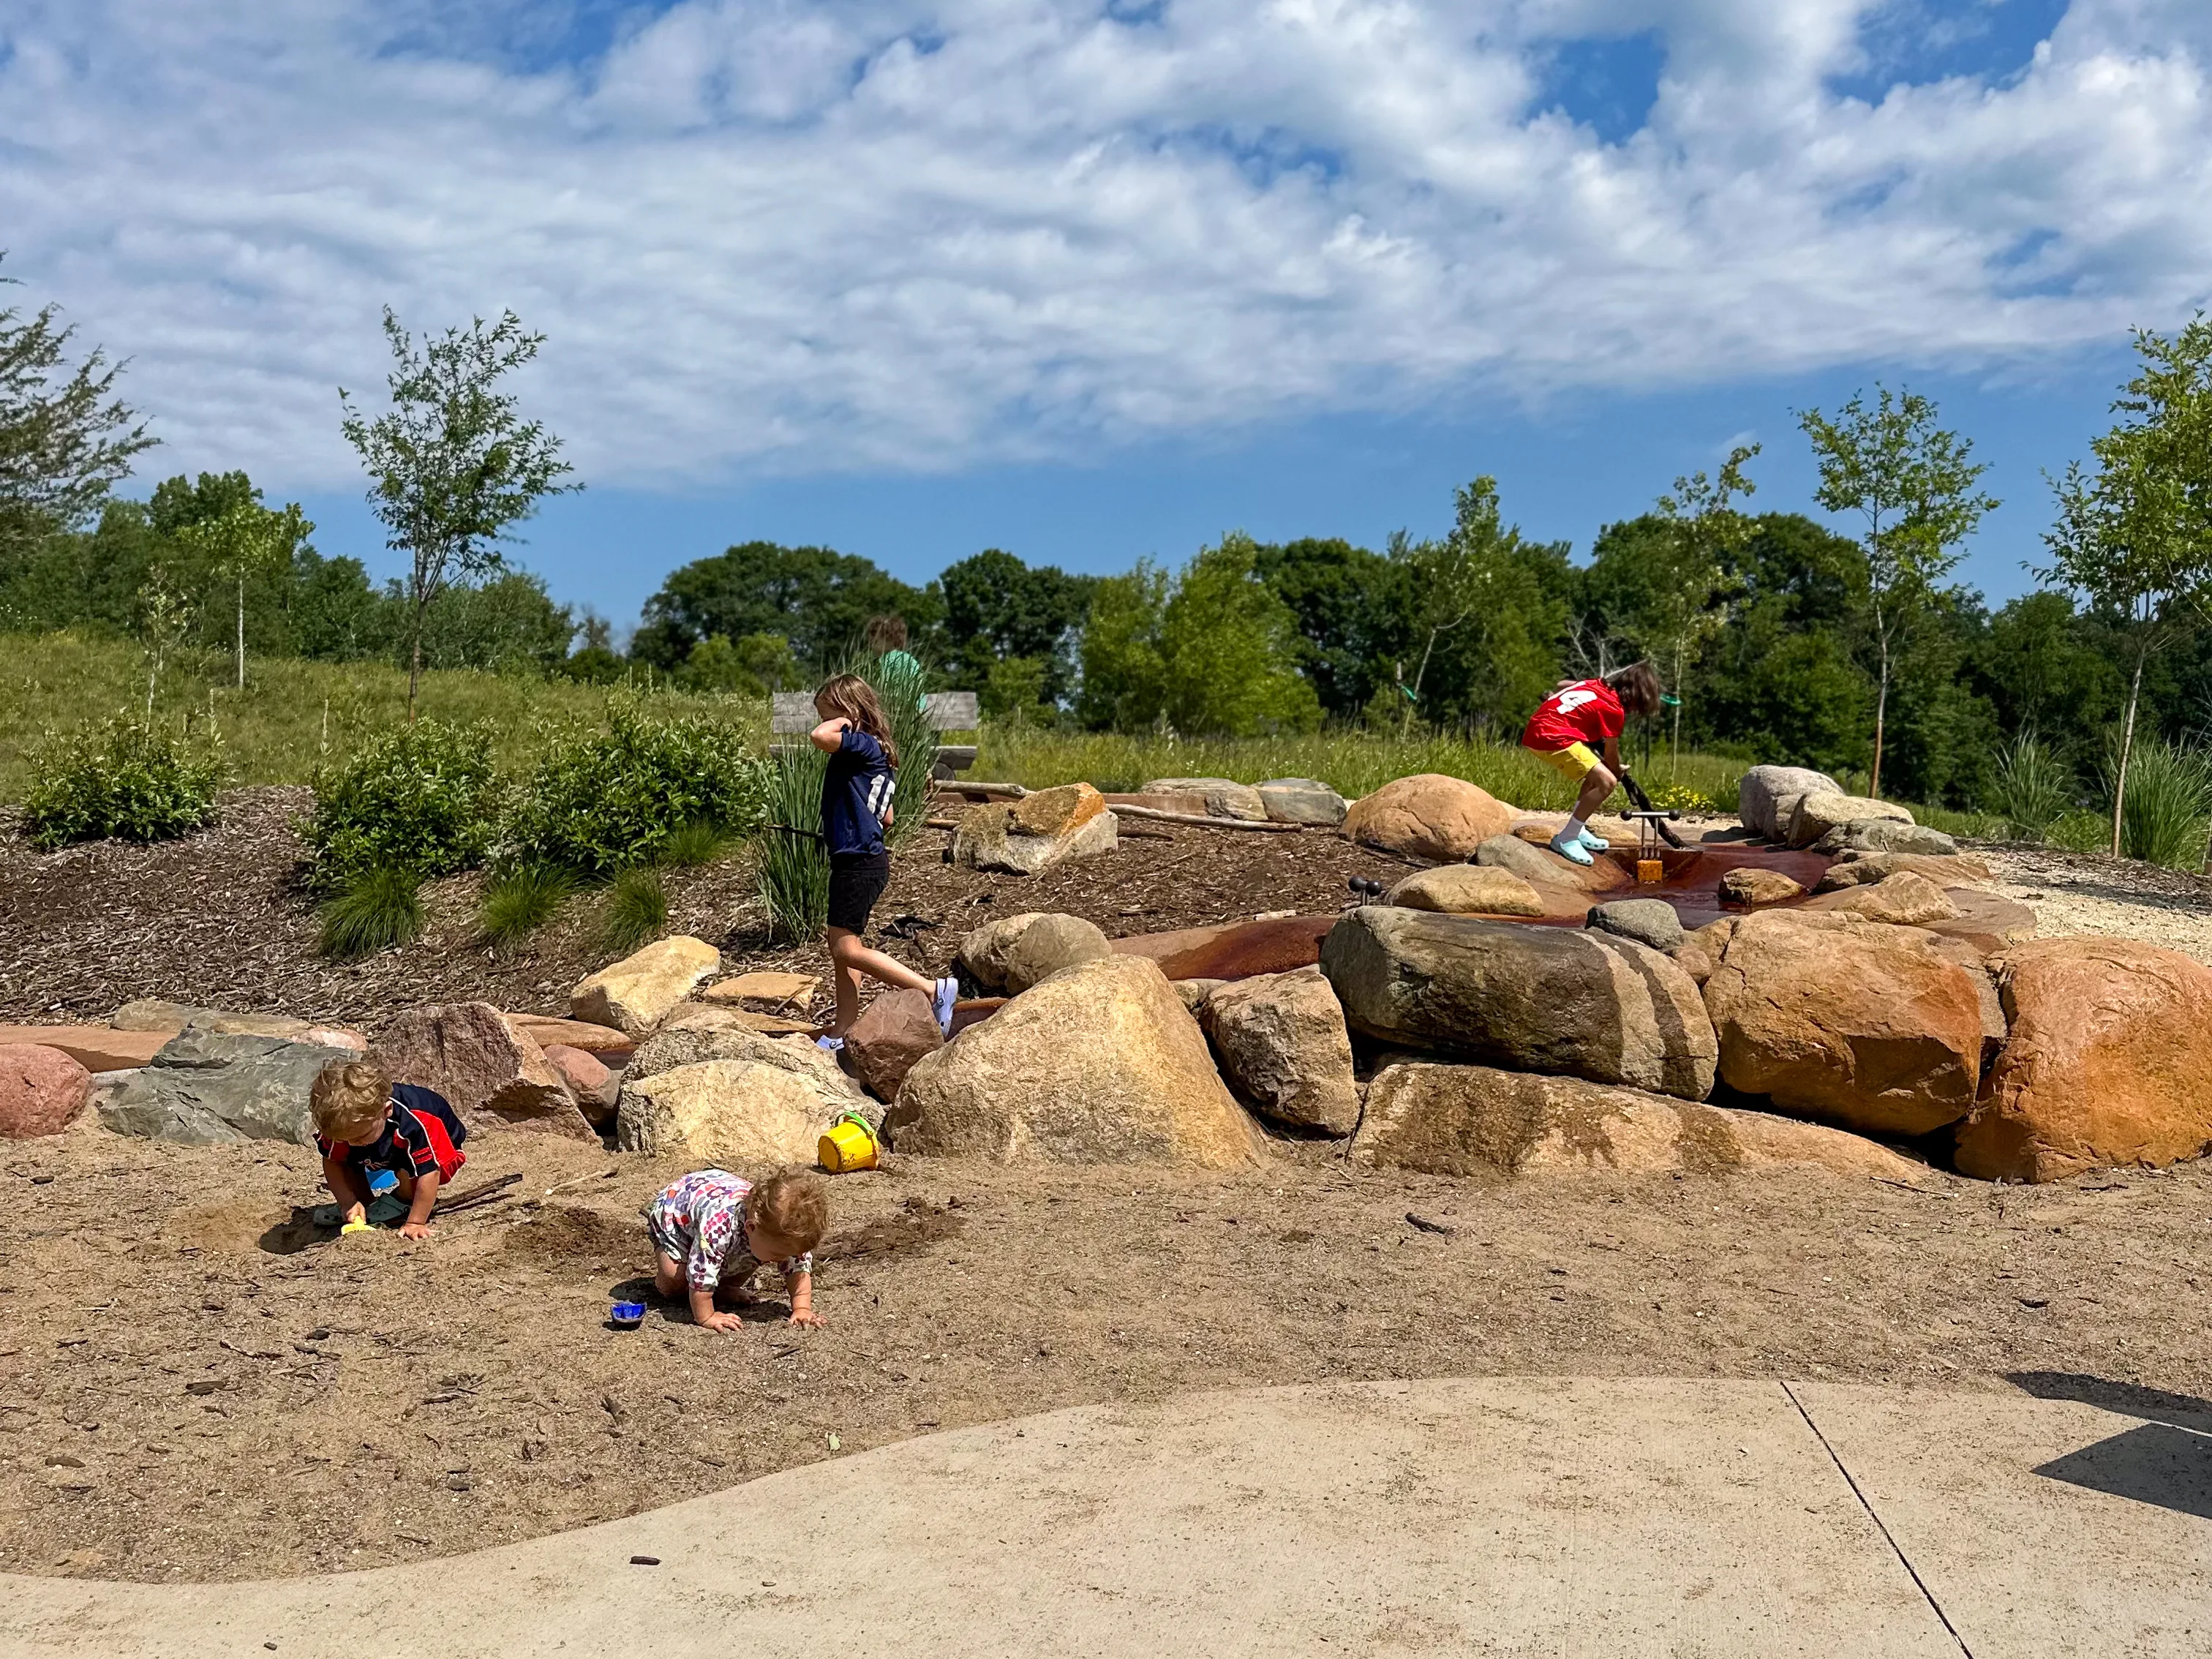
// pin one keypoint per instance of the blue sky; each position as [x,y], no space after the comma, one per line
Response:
[1092,280]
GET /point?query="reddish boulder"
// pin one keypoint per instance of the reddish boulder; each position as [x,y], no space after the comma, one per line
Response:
[594,1088]
[41,1090]
[895,1031]
[491,1073]
[1235,950]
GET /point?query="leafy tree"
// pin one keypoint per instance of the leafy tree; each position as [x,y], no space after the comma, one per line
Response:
[1124,674]
[2138,536]
[1352,608]
[452,464]
[1704,533]
[508,624]
[998,610]
[1912,483]
[816,598]
[246,542]
[66,439]
[2044,670]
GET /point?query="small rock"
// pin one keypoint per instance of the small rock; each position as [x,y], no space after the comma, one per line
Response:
[1692,960]
[634,995]
[1466,890]
[893,1032]
[1194,992]
[41,1090]
[1016,952]
[1283,1047]
[1749,883]
[1765,796]
[987,837]
[1303,800]
[594,1087]
[1648,922]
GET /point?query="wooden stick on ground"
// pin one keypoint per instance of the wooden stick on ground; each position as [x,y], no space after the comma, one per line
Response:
[475,1195]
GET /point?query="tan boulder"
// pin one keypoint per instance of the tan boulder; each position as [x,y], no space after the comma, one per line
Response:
[893,1032]
[1749,884]
[982,953]
[1466,890]
[1863,869]
[986,838]
[1056,812]
[1225,798]
[95,1048]
[1472,1119]
[1015,952]
[1428,816]
[1766,795]
[591,1084]
[1101,1064]
[1551,872]
[1283,1047]
[774,989]
[1907,899]
[41,1090]
[737,1114]
[698,1031]
[1537,829]
[1817,813]
[634,995]
[2105,1066]
[1850,1021]
[1692,959]
[490,1073]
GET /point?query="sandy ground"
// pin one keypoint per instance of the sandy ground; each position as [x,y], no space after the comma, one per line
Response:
[2076,893]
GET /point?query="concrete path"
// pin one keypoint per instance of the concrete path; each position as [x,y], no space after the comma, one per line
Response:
[1564,1518]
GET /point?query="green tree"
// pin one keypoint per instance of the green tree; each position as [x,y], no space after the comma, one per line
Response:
[816,598]
[1124,675]
[1353,611]
[2136,536]
[247,542]
[1913,484]
[452,464]
[66,439]
[1706,531]
[998,610]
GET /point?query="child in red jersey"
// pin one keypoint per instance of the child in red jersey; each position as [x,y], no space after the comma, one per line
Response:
[1579,713]
[366,1124]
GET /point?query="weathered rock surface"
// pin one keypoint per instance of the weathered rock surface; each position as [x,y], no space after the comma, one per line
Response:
[1468,890]
[1990,923]
[591,1084]
[95,1048]
[1749,884]
[2106,1065]
[1907,899]
[1101,1064]
[1545,870]
[894,1031]
[1575,1004]
[772,990]
[1056,812]
[740,1114]
[608,1043]
[986,839]
[152,1014]
[1692,960]
[1015,952]
[205,1089]
[488,1071]
[1766,795]
[41,1090]
[1303,800]
[1194,992]
[982,953]
[1428,816]
[1850,1021]
[1472,1120]
[634,995]
[1537,829]
[697,1032]
[1886,835]
[1648,922]
[1225,798]
[1283,1047]
[1234,949]
[1818,813]
[1864,869]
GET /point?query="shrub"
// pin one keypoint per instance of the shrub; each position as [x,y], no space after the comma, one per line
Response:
[690,845]
[422,799]
[610,800]
[520,903]
[374,911]
[794,870]
[636,910]
[2168,809]
[121,778]
[2034,787]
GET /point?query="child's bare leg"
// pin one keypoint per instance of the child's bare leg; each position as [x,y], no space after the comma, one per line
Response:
[1598,784]
[667,1274]
[851,958]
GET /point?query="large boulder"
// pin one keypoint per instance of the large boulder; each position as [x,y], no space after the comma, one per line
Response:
[737,1114]
[2105,1066]
[1766,795]
[1543,869]
[1820,811]
[492,1074]
[1466,890]
[1101,1064]
[1428,816]
[41,1090]
[1886,836]
[1854,1023]
[1233,950]
[634,995]
[1907,899]
[1647,921]
[1056,812]
[1586,1004]
[1864,869]
[592,1086]
[1014,953]
[1472,1120]
[893,1032]
[987,837]
[1303,800]
[1283,1047]
[697,1032]
[206,1088]
[1225,798]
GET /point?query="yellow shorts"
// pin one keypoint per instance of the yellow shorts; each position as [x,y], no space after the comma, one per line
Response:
[1574,762]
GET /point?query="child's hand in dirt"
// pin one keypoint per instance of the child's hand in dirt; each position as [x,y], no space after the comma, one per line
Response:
[808,1316]
[357,1212]
[718,1321]
[415,1229]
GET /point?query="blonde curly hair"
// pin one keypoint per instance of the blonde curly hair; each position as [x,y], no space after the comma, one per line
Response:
[348,1098]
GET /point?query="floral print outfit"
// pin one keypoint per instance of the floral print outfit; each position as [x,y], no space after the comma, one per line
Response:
[699,1220]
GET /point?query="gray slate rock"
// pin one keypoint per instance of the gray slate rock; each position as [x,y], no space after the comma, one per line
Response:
[1303,800]
[1648,922]
[206,1088]
[1886,835]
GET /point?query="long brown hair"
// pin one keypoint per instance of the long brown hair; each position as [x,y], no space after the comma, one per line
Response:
[1637,686]
[848,696]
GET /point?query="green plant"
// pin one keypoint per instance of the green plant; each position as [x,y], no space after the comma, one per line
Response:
[2034,787]
[690,845]
[520,903]
[376,910]
[604,801]
[121,778]
[2167,811]
[794,871]
[421,797]
[636,910]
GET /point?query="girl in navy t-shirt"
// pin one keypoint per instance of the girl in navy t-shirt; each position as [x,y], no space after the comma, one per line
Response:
[856,810]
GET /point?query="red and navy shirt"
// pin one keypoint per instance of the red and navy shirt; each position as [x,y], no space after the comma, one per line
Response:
[422,1136]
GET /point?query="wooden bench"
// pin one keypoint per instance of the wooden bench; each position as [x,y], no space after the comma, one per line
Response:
[791,714]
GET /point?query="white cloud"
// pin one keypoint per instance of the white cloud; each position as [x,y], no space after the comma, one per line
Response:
[766,235]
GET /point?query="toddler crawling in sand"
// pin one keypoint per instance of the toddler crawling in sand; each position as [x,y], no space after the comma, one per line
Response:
[712,1224]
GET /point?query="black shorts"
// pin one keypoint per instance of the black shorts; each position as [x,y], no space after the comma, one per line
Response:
[856,882]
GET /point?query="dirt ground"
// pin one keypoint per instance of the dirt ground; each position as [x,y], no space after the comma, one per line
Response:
[190,1390]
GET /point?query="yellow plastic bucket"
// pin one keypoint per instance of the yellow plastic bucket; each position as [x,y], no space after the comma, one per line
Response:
[847,1145]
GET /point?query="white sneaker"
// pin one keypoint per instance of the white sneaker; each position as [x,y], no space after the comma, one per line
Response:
[1573,851]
